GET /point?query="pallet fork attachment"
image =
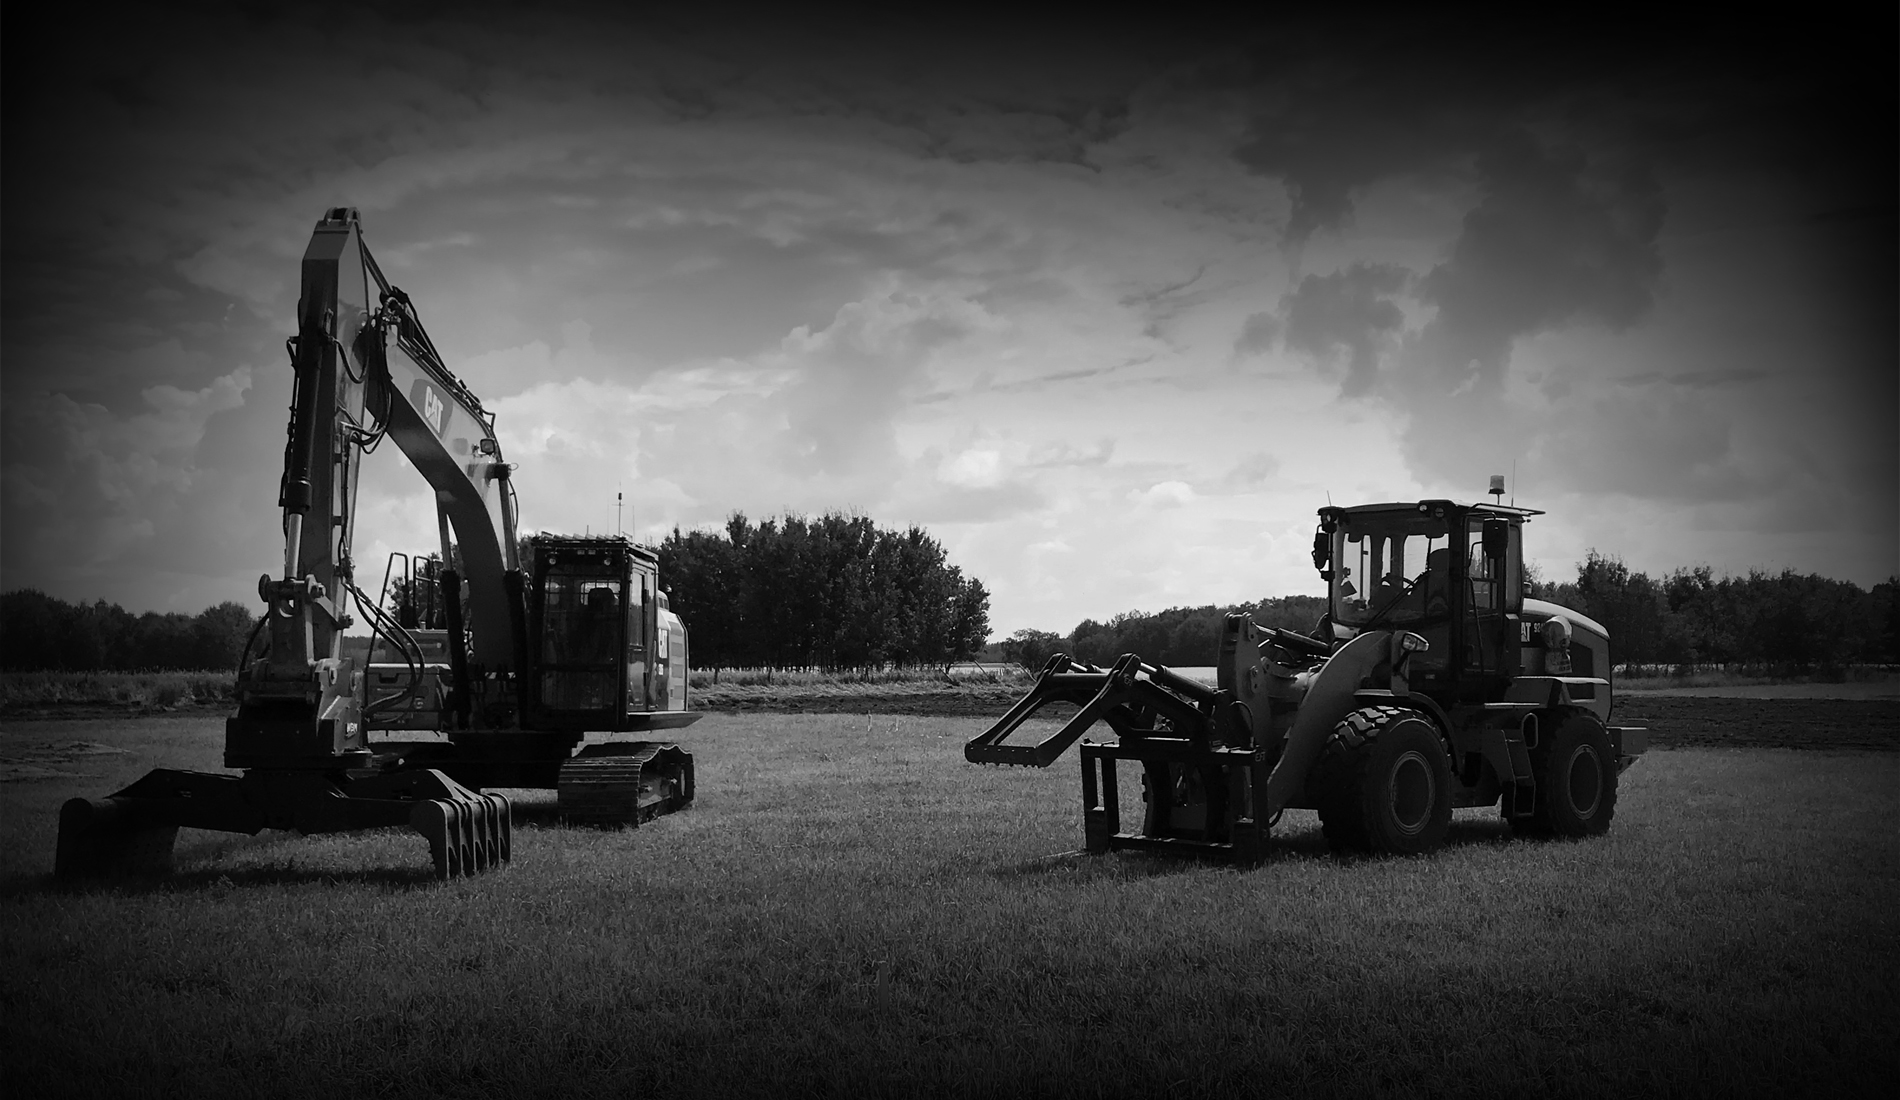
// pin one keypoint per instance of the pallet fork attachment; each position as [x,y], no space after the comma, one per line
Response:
[1129,696]
[1217,764]
[1195,744]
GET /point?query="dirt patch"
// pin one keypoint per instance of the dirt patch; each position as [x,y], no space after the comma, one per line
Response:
[22,762]
[90,711]
[1860,689]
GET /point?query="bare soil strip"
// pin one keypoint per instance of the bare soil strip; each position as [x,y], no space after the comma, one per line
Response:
[1701,722]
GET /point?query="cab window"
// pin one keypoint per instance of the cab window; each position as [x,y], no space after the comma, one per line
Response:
[1391,568]
[1485,586]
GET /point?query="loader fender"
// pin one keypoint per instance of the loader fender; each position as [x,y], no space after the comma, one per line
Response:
[1329,699]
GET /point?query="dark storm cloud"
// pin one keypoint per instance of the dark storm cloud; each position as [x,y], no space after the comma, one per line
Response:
[1258,334]
[1553,241]
[1347,315]
[1570,145]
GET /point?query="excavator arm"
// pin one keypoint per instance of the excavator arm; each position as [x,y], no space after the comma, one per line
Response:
[366,370]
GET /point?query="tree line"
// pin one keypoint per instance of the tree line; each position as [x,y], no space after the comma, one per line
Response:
[39,632]
[836,592]
[1187,636]
[1785,621]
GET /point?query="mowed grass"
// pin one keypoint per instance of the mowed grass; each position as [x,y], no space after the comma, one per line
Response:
[851,909]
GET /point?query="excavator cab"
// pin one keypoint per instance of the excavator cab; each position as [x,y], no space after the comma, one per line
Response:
[604,653]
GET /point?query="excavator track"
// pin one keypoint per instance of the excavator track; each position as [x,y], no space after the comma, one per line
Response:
[625,784]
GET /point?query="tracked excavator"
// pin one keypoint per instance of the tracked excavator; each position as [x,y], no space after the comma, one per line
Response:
[504,666]
[1432,682]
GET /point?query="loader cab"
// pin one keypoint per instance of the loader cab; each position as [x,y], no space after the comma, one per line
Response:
[593,625]
[1449,572]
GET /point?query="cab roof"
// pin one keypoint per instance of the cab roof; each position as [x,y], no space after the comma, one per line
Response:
[1431,504]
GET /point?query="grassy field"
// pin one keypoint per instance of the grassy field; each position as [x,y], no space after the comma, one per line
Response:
[64,694]
[115,690]
[851,909]
[55,694]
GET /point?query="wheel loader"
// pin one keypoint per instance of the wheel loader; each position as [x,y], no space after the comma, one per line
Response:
[1431,683]
[546,672]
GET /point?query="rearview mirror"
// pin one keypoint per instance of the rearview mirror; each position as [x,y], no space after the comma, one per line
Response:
[1497,537]
[1322,550]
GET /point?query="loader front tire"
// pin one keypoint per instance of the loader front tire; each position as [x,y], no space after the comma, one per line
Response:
[1385,783]
[1576,782]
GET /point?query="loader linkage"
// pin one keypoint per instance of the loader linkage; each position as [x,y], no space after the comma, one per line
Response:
[131,831]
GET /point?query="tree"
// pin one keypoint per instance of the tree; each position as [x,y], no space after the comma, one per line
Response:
[835,592]
[219,632]
[1031,648]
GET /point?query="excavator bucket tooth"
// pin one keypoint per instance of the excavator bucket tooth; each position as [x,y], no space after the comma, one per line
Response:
[503,827]
[110,838]
[472,862]
[442,823]
[482,834]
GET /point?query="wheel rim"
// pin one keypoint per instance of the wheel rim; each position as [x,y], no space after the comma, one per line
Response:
[1414,790]
[1585,781]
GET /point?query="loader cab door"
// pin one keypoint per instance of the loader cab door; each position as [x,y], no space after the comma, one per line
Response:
[1486,631]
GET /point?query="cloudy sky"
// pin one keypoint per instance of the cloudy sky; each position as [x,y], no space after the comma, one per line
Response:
[1109,313]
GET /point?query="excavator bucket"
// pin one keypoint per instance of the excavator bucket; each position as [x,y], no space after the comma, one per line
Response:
[625,783]
[465,837]
[131,832]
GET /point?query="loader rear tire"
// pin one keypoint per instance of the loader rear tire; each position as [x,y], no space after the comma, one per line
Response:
[1576,782]
[1385,783]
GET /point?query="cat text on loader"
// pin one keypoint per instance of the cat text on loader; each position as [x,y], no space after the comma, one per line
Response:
[1431,683]
[534,674]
